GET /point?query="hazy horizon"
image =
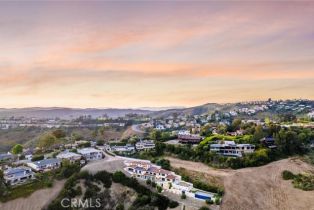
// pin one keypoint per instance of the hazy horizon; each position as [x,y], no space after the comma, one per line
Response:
[156,108]
[154,54]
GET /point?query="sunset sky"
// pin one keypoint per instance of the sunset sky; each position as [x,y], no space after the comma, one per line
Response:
[145,54]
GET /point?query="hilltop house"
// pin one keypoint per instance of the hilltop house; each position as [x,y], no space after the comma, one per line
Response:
[128,148]
[13,176]
[90,153]
[145,171]
[229,148]
[268,142]
[168,180]
[28,153]
[145,145]
[71,156]
[45,165]
[6,157]
[311,115]
[186,137]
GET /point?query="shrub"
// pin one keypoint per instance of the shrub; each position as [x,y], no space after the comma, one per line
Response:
[173,204]
[165,164]
[304,182]
[73,150]
[209,201]
[78,190]
[100,142]
[286,175]
[170,185]
[204,208]
[159,189]
[37,158]
[217,200]
[104,177]
[120,207]
[148,182]
[118,177]
[154,184]
[183,196]
[142,200]
[68,169]
[49,184]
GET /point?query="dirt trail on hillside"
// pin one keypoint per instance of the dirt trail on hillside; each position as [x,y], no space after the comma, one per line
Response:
[258,187]
[35,201]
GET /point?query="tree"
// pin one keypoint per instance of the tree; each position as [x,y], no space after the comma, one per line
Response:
[68,169]
[37,158]
[159,189]
[100,142]
[133,139]
[165,164]
[2,185]
[59,133]
[258,134]
[17,149]
[120,207]
[148,182]
[236,124]
[47,141]
[118,177]
[155,135]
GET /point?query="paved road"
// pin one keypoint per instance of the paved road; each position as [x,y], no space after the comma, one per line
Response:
[137,129]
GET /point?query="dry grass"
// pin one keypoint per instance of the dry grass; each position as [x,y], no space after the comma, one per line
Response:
[36,201]
[259,187]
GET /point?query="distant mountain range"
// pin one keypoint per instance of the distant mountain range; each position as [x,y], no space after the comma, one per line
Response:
[68,113]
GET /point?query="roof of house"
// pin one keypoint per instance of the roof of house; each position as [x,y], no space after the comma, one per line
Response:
[16,171]
[139,168]
[170,176]
[46,162]
[163,171]
[87,150]
[67,155]
[153,169]
[5,156]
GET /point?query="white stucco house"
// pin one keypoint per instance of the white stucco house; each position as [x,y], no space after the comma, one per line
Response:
[91,153]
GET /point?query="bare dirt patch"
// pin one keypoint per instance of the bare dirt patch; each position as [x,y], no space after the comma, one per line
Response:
[258,187]
[36,201]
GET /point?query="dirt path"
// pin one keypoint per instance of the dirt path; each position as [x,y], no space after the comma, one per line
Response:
[200,167]
[109,163]
[35,201]
[259,187]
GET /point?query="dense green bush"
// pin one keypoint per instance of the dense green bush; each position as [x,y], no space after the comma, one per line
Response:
[120,207]
[173,204]
[104,177]
[165,164]
[286,175]
[304,182]
[68,169]
[38,157]
[204,208]
[209,201]
[148,182]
